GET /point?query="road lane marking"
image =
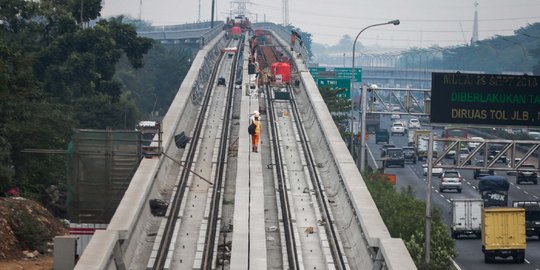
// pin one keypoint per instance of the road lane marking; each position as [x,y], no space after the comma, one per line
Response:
[448,201]
[527,261]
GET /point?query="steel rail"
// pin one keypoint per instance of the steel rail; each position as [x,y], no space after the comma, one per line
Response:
[331,231]
[178,197]
[290,240]
[210,240]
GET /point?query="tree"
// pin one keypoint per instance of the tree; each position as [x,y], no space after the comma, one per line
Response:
[339,109]
[56,75]
[154,86]
[404,218]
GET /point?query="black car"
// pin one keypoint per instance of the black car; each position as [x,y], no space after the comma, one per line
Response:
[481,172]
[409,154]
[394,156]
[530,175]
[381,135]
[384,148]
[221,81]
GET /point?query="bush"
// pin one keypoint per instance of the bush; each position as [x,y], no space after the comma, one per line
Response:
[404,217]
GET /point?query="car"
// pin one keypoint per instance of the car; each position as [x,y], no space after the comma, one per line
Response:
[535,135]
[384,147]
[382,135]
[516,160]
[414,123]
[424,119]
[396,108]
[398,128]
[472,145]
[494,150]
[395,116]
[450,179]
[482,172]
[394,156]
[530,175]
[409,154]
[463,154]
[221,81]
[434,171]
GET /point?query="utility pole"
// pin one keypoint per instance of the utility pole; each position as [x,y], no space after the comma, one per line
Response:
[212,20]
[140,10]
[427,232]
[199,18]
[285,12]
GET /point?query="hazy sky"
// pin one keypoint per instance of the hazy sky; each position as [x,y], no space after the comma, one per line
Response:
[423,22]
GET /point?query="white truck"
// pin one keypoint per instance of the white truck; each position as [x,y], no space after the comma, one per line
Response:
[466,217]
[421,143]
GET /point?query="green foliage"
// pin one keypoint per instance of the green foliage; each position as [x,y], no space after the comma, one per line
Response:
[30,234]
[154,86]
[339,109]
[404,218]
[56,75]
[516,53]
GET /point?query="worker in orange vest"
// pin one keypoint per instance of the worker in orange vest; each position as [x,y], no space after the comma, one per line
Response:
[255,137]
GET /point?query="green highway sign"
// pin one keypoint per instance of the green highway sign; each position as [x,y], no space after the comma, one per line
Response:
[315,71]
[346,73]
[335,83]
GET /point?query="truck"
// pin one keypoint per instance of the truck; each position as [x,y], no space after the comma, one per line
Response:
[503,233]
[494,190]
[466,217]
[532,216]
[373,122]
[421,143]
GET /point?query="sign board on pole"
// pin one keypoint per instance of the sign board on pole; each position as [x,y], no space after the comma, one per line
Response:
[485,99]
[346,73]
[315,71]
[336,83]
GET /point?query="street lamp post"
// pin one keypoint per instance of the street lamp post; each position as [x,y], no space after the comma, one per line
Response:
[363,130]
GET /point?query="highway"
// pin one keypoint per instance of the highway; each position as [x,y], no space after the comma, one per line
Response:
[469,249]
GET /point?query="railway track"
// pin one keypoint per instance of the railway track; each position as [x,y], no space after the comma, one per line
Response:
[310,236]
[190,234]
[193,213]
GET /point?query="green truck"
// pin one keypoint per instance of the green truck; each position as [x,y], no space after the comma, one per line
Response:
[503,233]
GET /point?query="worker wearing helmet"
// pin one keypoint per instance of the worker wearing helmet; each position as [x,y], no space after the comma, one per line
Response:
[255,137]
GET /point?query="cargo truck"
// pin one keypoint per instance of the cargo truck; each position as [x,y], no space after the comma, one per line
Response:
[373,122]
[503,233]
[494,190]
[421,143]
[532,216]
[466,217]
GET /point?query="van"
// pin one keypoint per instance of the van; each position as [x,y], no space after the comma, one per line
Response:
[466,217]
[382,135]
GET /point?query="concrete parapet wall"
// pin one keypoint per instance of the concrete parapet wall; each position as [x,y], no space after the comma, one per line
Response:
[152,179]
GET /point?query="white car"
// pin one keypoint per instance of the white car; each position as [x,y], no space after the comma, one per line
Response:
[414,123]
[535,135]
[395,116]
[434,171]
[398,127]
[472,145]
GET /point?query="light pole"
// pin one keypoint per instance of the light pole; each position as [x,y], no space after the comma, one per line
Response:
[363,130]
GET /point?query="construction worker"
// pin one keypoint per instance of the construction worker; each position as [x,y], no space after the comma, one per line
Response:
[255,137]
